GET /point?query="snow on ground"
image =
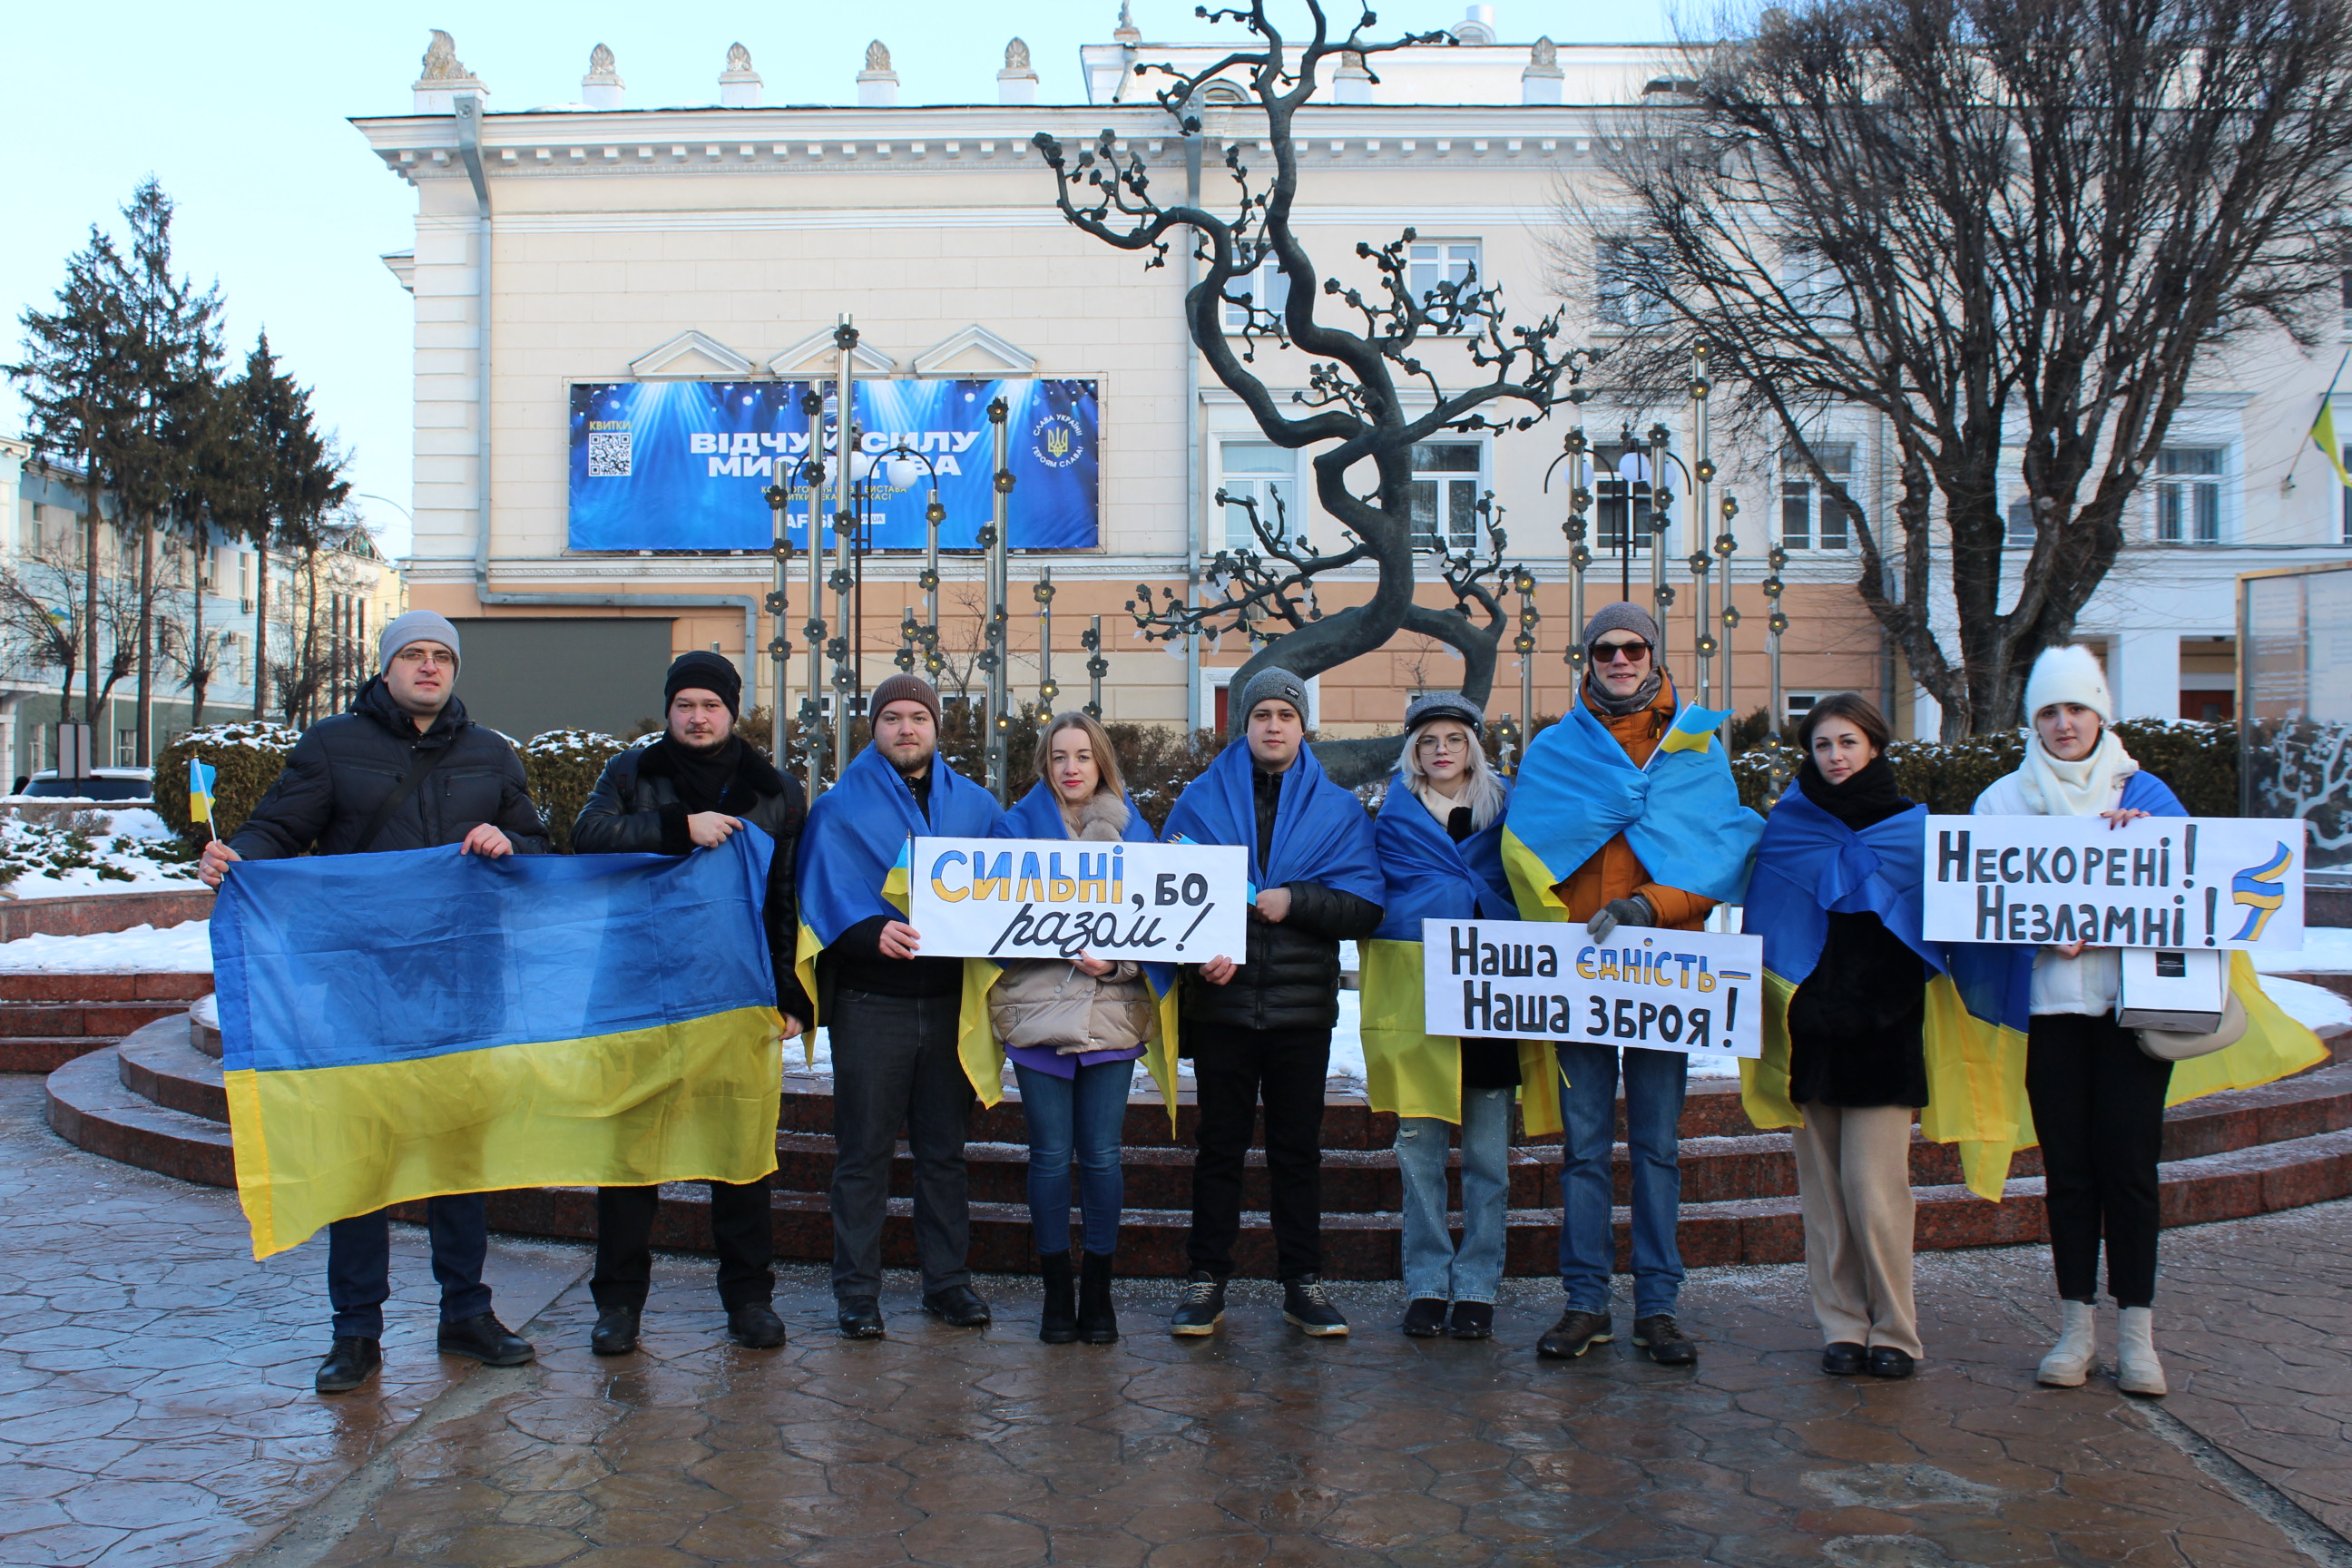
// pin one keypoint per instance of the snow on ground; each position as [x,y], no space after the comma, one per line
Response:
[123,849]
[2314,1007]
[184,949]
[2326,950]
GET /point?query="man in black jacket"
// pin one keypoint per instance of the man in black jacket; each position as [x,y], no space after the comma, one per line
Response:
[404,769]
[1262,1029]
[690,790]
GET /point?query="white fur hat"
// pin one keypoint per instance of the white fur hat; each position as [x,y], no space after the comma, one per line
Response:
[2069,674]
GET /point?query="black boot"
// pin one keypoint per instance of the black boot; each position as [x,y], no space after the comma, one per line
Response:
[1059,1323]
[349,1362]
[1098,1317]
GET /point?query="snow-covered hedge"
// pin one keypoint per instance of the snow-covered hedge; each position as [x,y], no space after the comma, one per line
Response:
[562,767]
[249,757]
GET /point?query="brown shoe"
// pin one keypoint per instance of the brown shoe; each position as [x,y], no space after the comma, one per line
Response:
[1575,1333]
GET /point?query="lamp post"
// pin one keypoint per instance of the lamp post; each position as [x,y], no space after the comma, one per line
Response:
[780,648]
[1523,582]
[1726,545]
[813,472]
[845,529]
[995,657]
[1575,452]
[1775,623]
[1662,500]
[1097,665]
[1042,592]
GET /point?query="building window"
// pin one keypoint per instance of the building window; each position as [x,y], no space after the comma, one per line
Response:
[2189,495]
[1794,706]
[1632,271]
[1620,490]
[1267,288]
[1266,474]
[2021,522]
[1443,495]
[1808,519]
[1430,262]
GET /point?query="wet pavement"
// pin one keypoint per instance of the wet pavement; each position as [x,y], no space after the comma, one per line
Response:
[154,1408]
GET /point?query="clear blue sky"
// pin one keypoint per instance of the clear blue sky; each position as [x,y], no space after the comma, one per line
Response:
[239,109]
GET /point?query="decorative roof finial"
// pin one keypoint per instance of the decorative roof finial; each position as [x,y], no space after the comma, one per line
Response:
[877,56]
[600,61]
[877,84]
[441,62]
[1126,32]
[738,58]
[739,84]
[1016,56]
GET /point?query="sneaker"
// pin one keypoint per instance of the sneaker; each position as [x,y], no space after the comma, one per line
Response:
[1575,1333]
[486,1340]
[1201,1307]
[1424,1318]
[1306,1306]
[1473,1320]
[1658,1337]
[349,1362]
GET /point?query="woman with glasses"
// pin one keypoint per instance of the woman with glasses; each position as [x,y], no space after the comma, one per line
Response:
[1439,840]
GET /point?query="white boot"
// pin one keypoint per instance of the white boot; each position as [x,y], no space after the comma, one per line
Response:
[2069,1361]
[2137,1369]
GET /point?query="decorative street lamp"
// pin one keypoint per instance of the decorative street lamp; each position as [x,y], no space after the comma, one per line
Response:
[1575,451]
[1662,500]
[1726,544]
[1776,560]
[1042,592]
[996,657]
[780,647]
[1703,476]
[813,473]
[1523,582]
[1097,665]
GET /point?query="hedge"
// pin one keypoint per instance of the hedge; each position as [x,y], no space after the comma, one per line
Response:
[2200,761]
[246,758]
[562,767]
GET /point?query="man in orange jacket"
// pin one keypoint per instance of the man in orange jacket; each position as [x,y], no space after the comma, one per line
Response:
[1630,694]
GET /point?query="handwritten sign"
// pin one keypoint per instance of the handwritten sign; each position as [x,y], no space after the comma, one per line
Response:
[2162,881]
[1532,980]
[1059,898]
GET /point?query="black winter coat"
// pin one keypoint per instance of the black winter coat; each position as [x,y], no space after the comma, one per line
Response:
[1290,979]
[635,809]
[344,768]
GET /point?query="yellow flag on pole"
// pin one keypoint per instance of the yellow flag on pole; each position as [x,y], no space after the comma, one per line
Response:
[2323,429]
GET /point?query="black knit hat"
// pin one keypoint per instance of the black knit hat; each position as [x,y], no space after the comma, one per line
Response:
[704,671]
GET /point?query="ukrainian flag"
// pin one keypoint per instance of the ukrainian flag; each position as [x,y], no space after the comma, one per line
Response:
[404,1025]
[200,790]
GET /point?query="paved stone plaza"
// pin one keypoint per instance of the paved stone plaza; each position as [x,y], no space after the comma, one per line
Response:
[154,1408]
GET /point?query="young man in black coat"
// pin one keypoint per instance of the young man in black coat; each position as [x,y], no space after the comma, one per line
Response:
[691,789]
[404,769]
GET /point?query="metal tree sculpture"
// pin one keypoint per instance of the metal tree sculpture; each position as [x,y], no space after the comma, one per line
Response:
[1355,407]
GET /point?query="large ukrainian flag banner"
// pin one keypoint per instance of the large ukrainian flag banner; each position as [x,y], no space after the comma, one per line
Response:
[403,1026]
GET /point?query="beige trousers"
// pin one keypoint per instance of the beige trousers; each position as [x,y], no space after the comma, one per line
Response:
[1853,1181]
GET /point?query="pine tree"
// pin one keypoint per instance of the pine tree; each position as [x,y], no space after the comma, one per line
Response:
[301,480]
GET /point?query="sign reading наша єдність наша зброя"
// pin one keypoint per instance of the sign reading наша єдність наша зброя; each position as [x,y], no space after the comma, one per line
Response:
[2159,881]
[1060,898]
[1535,980]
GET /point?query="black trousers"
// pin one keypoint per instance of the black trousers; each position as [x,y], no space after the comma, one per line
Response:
[1233,1070]
[739,1226]
[2098,1108]
[895,1064]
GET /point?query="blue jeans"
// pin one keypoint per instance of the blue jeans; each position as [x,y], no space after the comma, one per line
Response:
[1081,1116]
[1587,1234]
[1434,1270]
[358,1264]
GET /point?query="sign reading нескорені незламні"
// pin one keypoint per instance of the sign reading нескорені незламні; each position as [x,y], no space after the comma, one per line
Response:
[1533,980]
[1060,898]
[2175,882]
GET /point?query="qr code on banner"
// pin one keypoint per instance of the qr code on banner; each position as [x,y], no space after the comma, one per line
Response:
[608,455]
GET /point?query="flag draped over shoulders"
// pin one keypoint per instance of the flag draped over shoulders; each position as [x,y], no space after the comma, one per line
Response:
[402,1026]
[1680,813]
[1809,865]
[1037,815]
[1321,833]
[1430,877]
[851,866]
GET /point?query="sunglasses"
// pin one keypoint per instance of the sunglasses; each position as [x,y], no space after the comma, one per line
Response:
[1612,652]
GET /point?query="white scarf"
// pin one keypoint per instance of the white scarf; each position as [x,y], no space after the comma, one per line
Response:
[2084,788]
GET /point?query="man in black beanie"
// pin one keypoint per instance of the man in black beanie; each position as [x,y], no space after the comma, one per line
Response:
[691,789]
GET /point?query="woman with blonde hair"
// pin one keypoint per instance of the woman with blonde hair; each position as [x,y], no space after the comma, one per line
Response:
[1439,840]
[1074,1030]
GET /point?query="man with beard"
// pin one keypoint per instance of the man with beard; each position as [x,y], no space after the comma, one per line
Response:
[404,769]
[693,789]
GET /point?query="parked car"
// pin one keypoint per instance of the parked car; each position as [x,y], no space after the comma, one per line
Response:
[105,783]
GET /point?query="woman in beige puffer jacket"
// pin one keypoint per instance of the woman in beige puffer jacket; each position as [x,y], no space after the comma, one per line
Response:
[1074,1030]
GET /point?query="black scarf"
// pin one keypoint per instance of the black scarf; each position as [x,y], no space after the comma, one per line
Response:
[1867,796]
[1596,696]
[702,778]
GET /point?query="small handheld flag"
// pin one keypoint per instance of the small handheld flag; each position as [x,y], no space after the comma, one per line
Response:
[1695,728]
[200,793]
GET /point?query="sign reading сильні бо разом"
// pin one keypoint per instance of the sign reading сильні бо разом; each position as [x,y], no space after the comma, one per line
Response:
[1533,980]
[1060,898]
[2159,881]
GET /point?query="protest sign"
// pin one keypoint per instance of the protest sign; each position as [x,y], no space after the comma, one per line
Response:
[2160,881]
[1060,898]
[1534,980]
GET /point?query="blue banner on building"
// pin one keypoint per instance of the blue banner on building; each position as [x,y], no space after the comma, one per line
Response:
[685,464]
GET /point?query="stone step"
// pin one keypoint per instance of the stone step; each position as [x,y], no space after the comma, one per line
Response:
[83,1019]
[46,1052]
[90,1108]
[167,986]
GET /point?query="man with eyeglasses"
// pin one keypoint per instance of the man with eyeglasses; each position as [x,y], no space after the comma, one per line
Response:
[404,769]
[1630,697]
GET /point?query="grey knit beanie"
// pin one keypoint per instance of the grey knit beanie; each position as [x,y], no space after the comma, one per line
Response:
[416,626]
[1443,705]
[1271,681]
[1621,616]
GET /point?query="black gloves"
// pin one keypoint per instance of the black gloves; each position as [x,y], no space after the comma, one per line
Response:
[1632,911]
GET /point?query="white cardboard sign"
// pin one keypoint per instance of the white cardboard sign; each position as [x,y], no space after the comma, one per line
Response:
[1060,898]
[1535,980]
[2174,882]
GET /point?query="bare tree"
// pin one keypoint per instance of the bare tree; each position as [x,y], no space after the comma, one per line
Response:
[322,661]
[1362,403]
[1991,224]
[40,616]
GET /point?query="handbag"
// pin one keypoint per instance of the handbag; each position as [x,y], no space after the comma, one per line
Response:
[2171,1046]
